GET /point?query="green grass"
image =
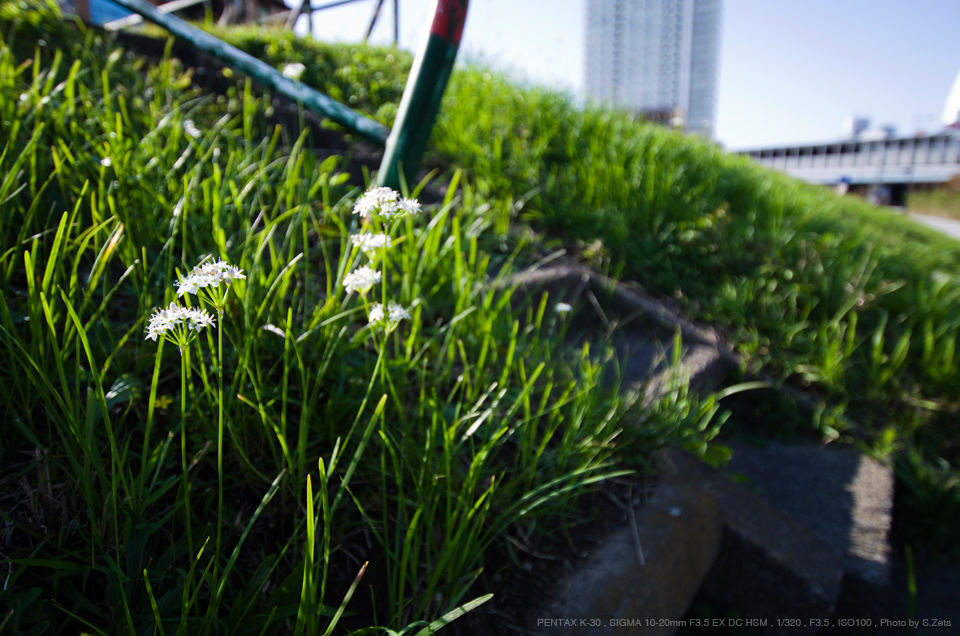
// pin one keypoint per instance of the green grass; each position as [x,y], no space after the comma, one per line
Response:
[943,201]
[420,451]
[853,305]
[365,476]
[847,302]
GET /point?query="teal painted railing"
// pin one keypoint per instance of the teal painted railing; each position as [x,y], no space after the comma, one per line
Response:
[419,105]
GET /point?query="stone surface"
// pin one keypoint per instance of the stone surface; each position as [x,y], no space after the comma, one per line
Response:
[641,581]
[770,567]
[842,495]
[641,329]
[806,534]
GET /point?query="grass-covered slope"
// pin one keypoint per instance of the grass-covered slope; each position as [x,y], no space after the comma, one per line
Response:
[466,424]
[943,201]
[331,441]
[854,304]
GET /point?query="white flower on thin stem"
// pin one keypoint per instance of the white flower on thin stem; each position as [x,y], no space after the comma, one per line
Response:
[397,313]
[106,162]
[410,206]
[384,202]
[294,71]
[376,314]
[389,318]
[180,325]
[361,279]
[562,308]
[371,243]
[208,275]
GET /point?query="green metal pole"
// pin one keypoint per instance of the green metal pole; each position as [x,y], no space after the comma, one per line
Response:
[423,93]
[263,73]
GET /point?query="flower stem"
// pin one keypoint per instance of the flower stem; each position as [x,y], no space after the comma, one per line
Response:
[185,483]
[216,564]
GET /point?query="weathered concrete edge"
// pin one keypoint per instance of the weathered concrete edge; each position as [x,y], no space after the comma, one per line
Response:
[625,299]
[706,361]
[678,532]
[628,299]
[771,567]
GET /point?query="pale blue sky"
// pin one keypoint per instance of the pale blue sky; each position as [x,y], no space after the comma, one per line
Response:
[790,70]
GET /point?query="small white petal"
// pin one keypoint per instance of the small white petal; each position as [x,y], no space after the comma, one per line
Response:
[294,71]
[398,313]
[371,243]
[410,206]
[361,279]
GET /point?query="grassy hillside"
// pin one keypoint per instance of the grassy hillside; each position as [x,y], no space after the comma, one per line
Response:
[855,305]
[300,455]
[943,201]
[240,485]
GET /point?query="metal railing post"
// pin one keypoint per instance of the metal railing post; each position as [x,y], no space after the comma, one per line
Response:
[423,93]
[263,72]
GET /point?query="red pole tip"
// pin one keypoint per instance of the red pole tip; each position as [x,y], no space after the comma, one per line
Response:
[449,19]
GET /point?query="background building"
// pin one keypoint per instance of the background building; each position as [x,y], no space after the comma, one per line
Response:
[655,56]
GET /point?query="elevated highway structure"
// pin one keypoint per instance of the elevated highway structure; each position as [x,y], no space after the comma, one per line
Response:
[896,163]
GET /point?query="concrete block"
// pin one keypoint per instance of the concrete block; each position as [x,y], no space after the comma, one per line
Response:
[616,591]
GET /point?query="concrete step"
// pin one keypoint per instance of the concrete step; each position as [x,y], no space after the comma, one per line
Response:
[642,579]
[806,536]
[782,534]
[642,330]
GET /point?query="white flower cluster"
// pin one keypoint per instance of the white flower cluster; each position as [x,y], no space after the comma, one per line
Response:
[361,279]
[294,71]
[175,323]
[370,243]
[394,314]
[385,203]
[208,275]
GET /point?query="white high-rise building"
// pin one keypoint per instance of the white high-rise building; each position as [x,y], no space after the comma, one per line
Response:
[658,57]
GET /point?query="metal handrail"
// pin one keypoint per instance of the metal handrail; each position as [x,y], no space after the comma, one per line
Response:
[419,105]
[423,93]
[133,19]
[263,72]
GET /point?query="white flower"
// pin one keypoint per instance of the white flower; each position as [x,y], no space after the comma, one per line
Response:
[209,274]
[410,206]
[382,201]
[370,243]
[386,203]
[176,322]
[376,314]
[361,279]
[392,316]
[294,71]
[562,308]
[397,313]
[106,162]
